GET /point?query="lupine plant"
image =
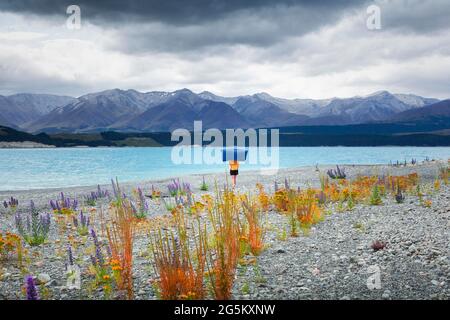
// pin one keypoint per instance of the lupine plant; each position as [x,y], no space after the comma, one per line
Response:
[30,287]
[35,227]
[11,204]
[92,198]
[70,261]
[81,223]
[119,196]
[176,188]
[140,210]
[169,204]
[64,205]
[375,198]
[155,193]
[399,197]
[337,174]
[100,266]
[204,186]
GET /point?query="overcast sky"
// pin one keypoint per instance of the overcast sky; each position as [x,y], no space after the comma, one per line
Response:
[292,49]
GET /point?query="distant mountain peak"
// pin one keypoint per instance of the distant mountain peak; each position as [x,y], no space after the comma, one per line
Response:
[263,95]
[183,91]
[131,109]
[381,93]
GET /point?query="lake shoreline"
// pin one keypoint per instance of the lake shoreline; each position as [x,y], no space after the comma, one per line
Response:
[246,180]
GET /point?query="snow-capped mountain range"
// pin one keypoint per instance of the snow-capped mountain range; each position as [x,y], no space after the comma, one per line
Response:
[131,110]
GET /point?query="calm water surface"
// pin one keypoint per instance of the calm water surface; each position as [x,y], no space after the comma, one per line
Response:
[22,169]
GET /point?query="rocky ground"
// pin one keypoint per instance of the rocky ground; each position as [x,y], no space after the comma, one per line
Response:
[334,261]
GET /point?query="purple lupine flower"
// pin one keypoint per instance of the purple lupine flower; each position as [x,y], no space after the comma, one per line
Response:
[276,186]
[53,205]
[93,261]
[190,198]
[99,256]
[286,184]
[101,193]
[45,222]
[84,220]
[74,204]
[179,200]
[171,189]
[140,194]
[5,204]
[98,251]
[13,202]
[116,189]
[186,187]
[70,254]
[133,208]
[143,205]
[174,187]
[176,183]
[75,221]
[321,197]
[32,293]
[94,236]
[36,226]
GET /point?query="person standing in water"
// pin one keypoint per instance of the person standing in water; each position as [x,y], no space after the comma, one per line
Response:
[234,170]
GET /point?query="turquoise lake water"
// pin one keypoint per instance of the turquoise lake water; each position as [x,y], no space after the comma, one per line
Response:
[22,169]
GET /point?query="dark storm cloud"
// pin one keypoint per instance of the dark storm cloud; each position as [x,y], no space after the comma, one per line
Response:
[182,25]
[418,16]
[262,27]
[166,11]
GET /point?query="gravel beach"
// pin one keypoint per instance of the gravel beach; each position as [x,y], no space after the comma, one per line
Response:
[333,261]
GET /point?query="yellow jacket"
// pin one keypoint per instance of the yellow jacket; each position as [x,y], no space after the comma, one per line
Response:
[234,165]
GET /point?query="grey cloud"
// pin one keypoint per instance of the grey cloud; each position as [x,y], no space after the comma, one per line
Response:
[166,11]
[418,16]
[262,27]
[179,25]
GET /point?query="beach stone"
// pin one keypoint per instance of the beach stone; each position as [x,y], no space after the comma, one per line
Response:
[43,278]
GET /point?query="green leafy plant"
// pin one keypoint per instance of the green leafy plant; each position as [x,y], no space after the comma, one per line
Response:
[375,197]
[204,186]
[35,228]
